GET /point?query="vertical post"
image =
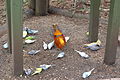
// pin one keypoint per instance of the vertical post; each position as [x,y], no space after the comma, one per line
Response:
[94,20]
[41,7]
[16,31]
[48,2]
[112,33]
[32,4]
[8,7]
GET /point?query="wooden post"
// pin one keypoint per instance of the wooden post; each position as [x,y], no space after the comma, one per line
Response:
[48,2]
[41,7]
[16,31]
[8,7]
[32,4]
[94,20]
[112,33]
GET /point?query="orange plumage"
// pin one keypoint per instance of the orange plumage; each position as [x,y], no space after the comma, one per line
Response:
[58,37]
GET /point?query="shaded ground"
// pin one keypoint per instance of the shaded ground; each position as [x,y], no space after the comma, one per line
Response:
[81,6]
[72,65]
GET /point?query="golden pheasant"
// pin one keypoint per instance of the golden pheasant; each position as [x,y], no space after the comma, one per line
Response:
[59,38]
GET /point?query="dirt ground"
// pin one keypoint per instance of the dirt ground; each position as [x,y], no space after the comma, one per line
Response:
[72,65]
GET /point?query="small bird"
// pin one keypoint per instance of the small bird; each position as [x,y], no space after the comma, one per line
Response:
[87,74]
[61,55]
[29,41]
[50,45]
[87,33]
[31,31]
[44,45]
[67,38]
[37,71]
[93,43]
[59,38]
[27,71]
[33,52]
[24,34]
[45,66]
[30,38]
[5,46]
[82,54]
[94,46]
